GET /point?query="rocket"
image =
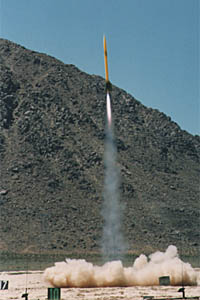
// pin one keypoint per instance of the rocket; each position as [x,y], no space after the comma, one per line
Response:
[108,84]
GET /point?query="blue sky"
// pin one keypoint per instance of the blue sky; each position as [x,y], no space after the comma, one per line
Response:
[153,45]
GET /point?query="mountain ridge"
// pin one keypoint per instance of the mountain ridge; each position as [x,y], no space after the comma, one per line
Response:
[52,119]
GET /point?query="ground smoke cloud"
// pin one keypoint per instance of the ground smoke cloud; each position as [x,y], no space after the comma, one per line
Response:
[144,272]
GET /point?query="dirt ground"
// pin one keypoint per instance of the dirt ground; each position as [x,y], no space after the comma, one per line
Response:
[37,289]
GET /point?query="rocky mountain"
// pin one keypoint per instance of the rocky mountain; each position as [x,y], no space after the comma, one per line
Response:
[52,120]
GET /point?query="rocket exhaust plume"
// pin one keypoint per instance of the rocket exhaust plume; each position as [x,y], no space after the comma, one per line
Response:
[113,244]
[108,109]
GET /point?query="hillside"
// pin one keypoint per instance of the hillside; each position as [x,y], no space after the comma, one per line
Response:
[52,120]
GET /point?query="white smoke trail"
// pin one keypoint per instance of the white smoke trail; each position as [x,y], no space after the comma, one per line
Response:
[143,272]
[113,244]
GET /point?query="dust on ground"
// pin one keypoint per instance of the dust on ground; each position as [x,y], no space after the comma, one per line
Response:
[37,289]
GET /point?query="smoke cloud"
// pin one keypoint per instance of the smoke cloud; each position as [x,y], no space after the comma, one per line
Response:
[113,244]
[145,271]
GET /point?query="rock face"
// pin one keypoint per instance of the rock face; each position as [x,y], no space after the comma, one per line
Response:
[52,120]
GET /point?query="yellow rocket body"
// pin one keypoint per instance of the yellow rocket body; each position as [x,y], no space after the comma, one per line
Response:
[105,58]
[108,84]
